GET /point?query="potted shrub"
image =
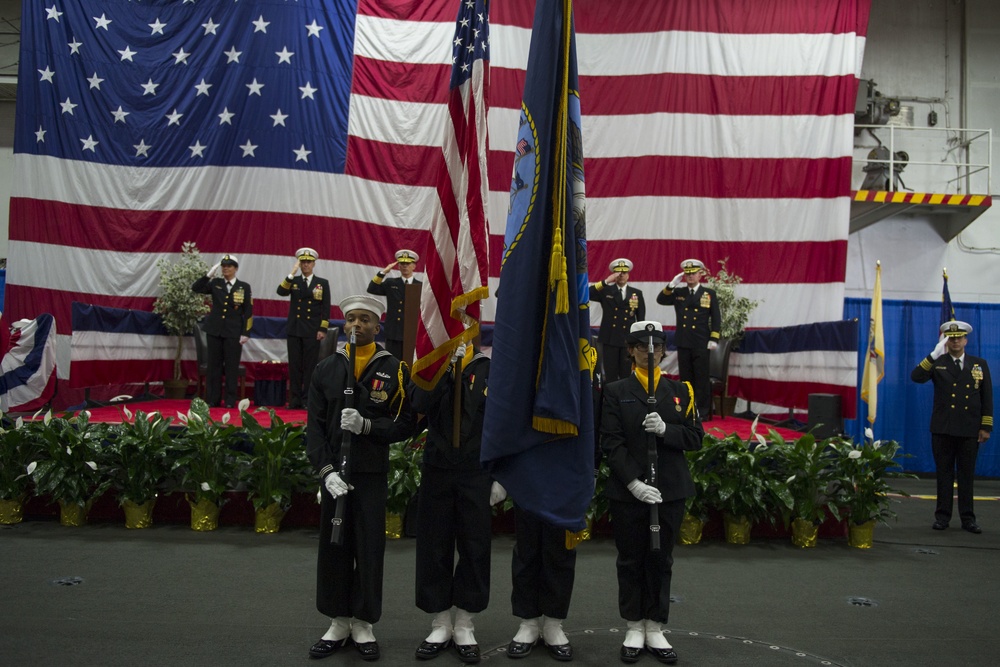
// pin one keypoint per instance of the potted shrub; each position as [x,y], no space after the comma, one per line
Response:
[863,476]
[274,469]
[179,307]
[138,464]
[19,446]
[735,310]
[68,469]
[204,462]
[706,480]
[405,458]
[740,486]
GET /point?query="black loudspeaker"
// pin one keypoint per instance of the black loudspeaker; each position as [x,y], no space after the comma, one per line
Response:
[825,417]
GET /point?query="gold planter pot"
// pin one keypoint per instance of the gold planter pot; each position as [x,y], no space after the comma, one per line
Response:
[138,516]
[804,533]
[11,511]
[268,520]
[861,536]
[737,529]
[204,515]
[393,526]
[73,514]
[691,527]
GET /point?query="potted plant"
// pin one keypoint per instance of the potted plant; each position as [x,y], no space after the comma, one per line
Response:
[274,469]
[740,486]
[804,484]
[138,463]
[179,307]
[204,461]
[68,469]
[863,476]
[19,445]
[735,310]
[405,459]
[697,507]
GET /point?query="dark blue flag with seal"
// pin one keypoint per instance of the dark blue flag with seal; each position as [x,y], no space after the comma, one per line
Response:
[538,433]
[947,309]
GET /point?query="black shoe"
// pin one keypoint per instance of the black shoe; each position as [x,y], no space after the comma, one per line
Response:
[324,648]
[368,650]
[665,655]
[940,525]
[972,527]
[630,654]
[561,652]
[430,650]
[520,649]
[468,653]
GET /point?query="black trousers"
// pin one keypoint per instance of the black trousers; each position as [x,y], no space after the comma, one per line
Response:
[643,575]
[349,576]
[303,353]
[954,455]
[542,568]
[395,348]
[453,513]
[223,359]
[617,363]
[693,367]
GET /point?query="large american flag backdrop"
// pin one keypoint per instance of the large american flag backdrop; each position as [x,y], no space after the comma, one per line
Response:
[713,129]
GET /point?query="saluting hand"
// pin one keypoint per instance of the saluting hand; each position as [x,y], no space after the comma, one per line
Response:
[940,348]
[676,281]
[389,268]
[295,269]
[610,279]
[214,269]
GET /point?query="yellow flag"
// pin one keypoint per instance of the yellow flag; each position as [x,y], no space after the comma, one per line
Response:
[875,359]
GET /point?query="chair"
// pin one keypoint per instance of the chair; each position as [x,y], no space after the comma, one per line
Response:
[201,353]
[718,373]
[328,345]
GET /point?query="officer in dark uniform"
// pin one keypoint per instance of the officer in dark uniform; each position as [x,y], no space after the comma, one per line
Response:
[627,424]
[308,320]
[227,327]
[697,333]
[453,511]
[349,575]
[961,419]
[621,306]
[394,291]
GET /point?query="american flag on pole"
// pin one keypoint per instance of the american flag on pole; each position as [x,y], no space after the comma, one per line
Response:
[714,128]
[458,262]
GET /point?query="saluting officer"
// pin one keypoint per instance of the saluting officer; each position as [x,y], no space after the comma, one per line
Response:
[621,306]
[227,327]
[308,320]
[961,419]
[697,333]
[394,291]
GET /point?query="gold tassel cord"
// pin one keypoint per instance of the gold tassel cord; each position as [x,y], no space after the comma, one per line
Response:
[557,264]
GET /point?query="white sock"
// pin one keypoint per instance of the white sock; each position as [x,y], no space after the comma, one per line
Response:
[361,632]
[553,633]
[464,628]
[635,636]
[654,635]
[528,632]
[340,627]
[441,628]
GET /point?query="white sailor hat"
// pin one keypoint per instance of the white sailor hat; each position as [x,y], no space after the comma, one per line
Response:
[362,302]
[955,328]
[306,255]
[620,265]
[406,256]
[230,259]
[693,266]
[640,332]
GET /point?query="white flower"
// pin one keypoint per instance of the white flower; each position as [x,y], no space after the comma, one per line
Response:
[789,480]
[244,404]
[47,418]
[86,413]
[761,439]
[869,434]
[31,467]
[128,413]
[19,423]
[68,450]
[183,417]
[205,486]
[877,444]
[753,427]
[855,454]
[225,418]
[91,465]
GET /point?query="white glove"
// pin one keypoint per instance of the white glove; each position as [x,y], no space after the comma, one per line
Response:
[351,420]
[244,339]
[610,280]
[459,352]
[677,280]
[497,494]
[644,492]
[712,344]
[653,423]
[335,485]
[941,347]
[211,271]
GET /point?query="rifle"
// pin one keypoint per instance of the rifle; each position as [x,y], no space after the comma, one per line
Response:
[340,504]
[654,510]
